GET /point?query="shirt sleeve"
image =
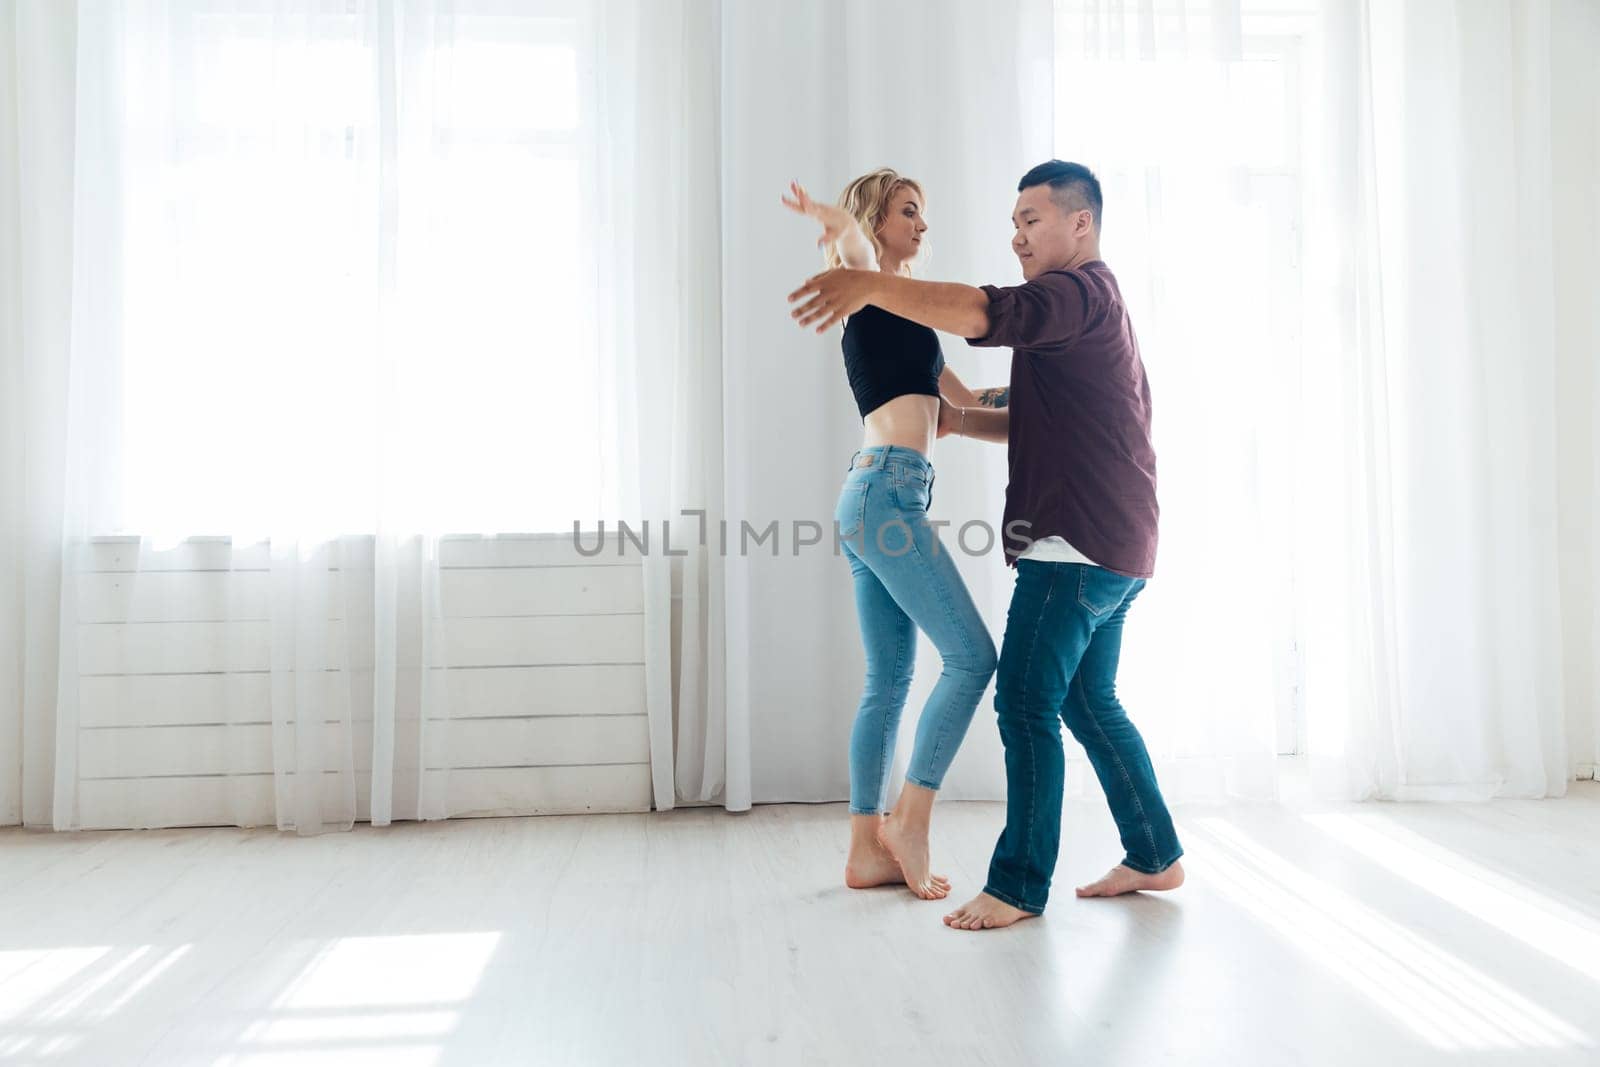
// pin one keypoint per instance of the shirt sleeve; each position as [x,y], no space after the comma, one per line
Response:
[1046,312]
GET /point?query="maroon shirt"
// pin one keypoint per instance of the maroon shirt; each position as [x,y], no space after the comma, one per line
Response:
[1082,466]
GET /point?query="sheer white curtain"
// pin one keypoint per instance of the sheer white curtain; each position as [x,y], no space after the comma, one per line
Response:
[327,282]
[36,51]
[1575,132]
[1575,244]
[1334,223]
[1434,410]
[11,590]
[1371,339]
[660,282]
[35,332]
[1188,112]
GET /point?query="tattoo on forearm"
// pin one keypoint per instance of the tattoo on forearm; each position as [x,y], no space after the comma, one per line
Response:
[998,397]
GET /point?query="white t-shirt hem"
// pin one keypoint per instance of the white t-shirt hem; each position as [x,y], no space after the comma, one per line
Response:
[1055,550]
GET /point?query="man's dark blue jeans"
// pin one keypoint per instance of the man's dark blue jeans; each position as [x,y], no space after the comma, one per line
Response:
[1059,662]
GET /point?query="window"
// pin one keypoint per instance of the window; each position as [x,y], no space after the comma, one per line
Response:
[356,270]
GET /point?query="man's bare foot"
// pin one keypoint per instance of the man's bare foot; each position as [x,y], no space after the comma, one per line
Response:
[910,850]
[984,912]
[870,864]
[1122,879]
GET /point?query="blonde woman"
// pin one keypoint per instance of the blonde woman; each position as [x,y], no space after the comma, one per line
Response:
[904,578]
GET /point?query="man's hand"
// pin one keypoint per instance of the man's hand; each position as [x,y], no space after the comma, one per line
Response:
[834,294]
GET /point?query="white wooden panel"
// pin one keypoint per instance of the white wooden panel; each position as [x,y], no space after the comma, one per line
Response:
[168,648]
[110,804]
[136,803]
[455,550]
[559,690]
[549,790]
[193,596]
[196,596]
[545,681]
[172,596]
[184,699]
[168,751]
[122,554]
[525,642]
[206,554]
[173,751]
[245,800]
[191,647]
[500,692]
[547,742]
[480,592]
[540,550]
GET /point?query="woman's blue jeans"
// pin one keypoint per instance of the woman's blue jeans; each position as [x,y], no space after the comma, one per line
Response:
[905,580]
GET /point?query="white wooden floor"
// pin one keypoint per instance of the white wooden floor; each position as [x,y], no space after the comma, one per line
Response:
[1455,935]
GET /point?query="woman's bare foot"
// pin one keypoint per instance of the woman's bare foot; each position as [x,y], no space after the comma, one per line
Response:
[1122,879]
[984,912]
[870,864]
[909,847]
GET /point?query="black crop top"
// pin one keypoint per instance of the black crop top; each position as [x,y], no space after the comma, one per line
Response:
[887,356]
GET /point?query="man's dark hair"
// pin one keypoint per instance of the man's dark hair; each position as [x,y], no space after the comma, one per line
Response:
[1073,187]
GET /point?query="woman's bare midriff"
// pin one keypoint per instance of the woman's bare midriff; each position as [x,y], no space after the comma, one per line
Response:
[909,421]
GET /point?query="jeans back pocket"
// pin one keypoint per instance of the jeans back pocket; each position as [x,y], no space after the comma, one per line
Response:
[911,493]
[850,514]
[1100,590]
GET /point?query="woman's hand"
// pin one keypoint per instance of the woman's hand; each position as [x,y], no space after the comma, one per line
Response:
[836,221]
[949,418]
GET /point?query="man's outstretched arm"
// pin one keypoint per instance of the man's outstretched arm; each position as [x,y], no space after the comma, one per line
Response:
[949,306]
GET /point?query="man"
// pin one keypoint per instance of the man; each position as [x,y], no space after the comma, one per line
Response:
[1080,527]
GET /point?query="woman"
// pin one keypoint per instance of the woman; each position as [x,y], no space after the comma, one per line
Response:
[904,578]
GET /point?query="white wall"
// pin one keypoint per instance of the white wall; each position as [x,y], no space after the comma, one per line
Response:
[1575,133]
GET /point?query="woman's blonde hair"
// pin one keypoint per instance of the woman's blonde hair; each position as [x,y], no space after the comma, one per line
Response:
[867,200]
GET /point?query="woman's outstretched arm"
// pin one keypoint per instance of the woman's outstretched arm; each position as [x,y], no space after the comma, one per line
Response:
[981,422]
[953,390]
[839,228]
